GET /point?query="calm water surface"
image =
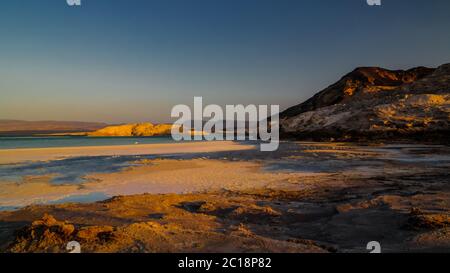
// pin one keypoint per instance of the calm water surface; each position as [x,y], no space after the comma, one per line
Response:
[70,141]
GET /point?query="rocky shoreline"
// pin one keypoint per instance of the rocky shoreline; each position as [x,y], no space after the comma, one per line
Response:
[396,195]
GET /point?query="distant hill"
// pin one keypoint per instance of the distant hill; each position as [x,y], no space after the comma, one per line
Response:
[137,129]
[372,103]
[27,128]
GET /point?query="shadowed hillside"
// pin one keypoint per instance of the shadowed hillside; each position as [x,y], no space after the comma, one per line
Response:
[376,104]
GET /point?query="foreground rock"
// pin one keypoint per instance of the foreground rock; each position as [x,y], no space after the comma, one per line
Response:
[376,104]
[50,235]
[329,217]
[166,223]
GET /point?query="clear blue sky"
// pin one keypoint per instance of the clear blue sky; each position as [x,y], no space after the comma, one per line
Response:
[132,60]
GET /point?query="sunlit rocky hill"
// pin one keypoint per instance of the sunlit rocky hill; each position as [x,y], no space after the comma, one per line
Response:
[373,103]
[137,129]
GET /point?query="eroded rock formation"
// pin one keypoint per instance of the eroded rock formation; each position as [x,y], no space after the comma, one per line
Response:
[375,103]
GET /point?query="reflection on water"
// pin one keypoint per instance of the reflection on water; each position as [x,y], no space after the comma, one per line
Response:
[310,158]
[69,171]
[8,208]
[86,198]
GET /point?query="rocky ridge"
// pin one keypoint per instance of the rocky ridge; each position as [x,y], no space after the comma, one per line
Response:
[137,129]
[376,104]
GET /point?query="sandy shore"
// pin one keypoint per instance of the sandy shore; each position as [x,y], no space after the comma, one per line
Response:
[160,176]
[302,214]
[310,201]
[9,156]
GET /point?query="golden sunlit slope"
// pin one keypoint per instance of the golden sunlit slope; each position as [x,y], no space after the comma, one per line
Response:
[138,129]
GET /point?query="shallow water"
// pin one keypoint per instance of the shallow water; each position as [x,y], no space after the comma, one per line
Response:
[291,157]
[70,170]
[75,141]
[84,198]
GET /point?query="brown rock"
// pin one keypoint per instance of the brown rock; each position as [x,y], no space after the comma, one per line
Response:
[376,104]
[45,235]
[95,233]
[419,220]
[138,129]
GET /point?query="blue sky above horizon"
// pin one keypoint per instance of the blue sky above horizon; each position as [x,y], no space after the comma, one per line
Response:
[132,60]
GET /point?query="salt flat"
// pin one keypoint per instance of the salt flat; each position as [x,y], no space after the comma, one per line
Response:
[9,156]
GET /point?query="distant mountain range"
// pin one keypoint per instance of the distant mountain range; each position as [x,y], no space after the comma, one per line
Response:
[372,103]
[27,128]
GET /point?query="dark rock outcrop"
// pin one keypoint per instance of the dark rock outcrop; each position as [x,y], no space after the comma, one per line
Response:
[374,103]
[361,80]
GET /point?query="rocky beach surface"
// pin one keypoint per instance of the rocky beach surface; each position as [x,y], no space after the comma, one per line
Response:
[307,197]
